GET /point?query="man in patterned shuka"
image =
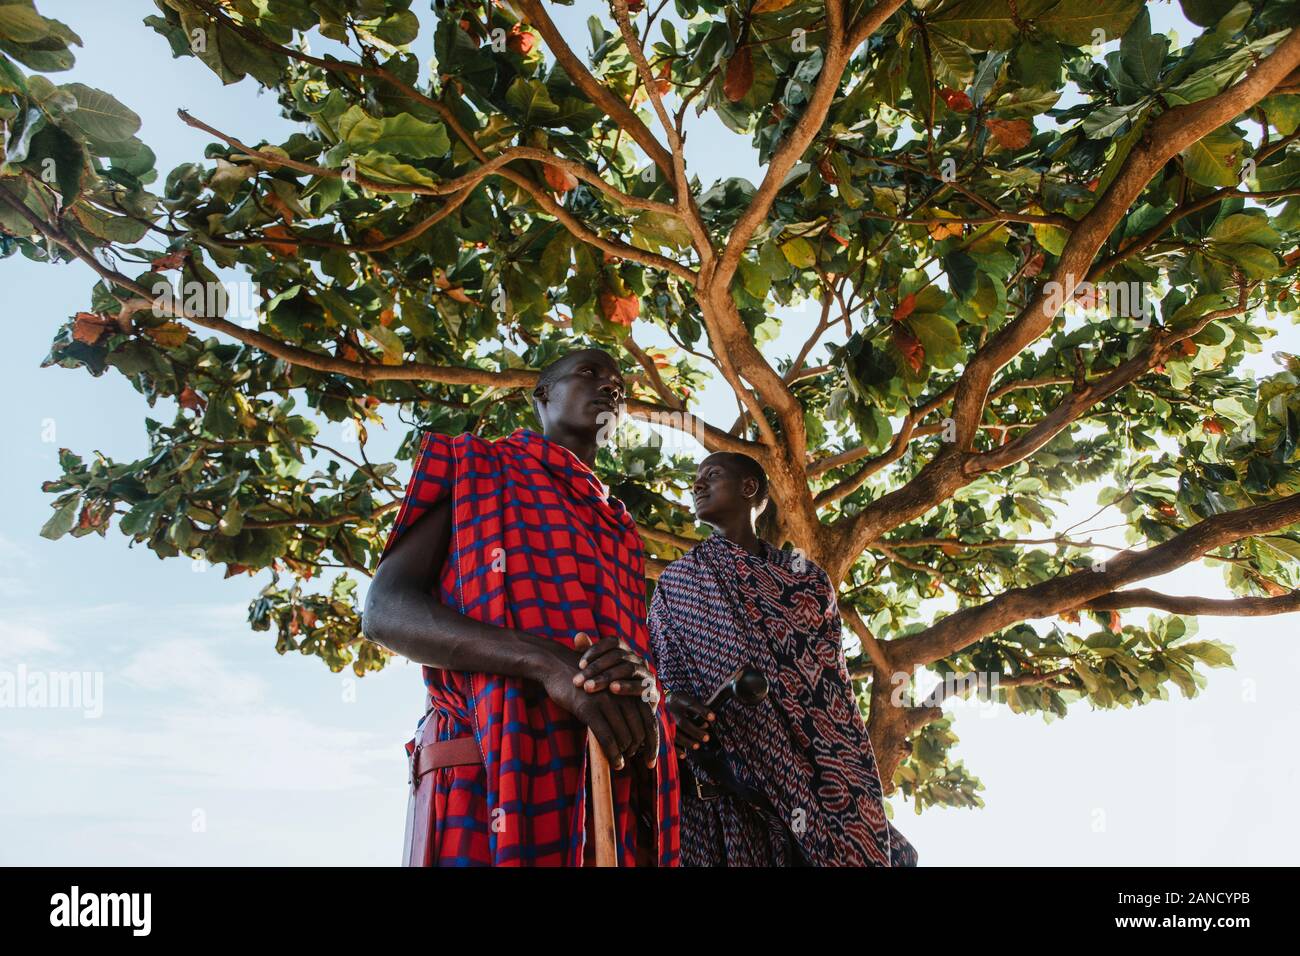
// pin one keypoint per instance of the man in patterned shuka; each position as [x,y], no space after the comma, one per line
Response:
[518,583]
[794,782]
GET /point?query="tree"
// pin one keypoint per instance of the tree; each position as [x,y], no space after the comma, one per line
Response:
[949,181]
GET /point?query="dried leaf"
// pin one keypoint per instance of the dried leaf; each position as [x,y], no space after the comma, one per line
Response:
[88,328]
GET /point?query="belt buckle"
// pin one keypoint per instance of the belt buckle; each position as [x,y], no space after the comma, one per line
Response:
[699,789]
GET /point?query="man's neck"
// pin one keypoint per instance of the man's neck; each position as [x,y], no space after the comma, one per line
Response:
[581,444]
[740,530]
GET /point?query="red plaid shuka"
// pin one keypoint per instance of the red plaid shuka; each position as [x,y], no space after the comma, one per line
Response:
[537,545]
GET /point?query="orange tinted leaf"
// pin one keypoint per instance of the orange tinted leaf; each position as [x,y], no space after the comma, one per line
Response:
[88,328]
[283,249]
[188,398]
[1272,587]
[173,260]
[281,207]
[1010,134]
[170,335]
[957,100]
[520,40]
[740,75]
[905,307]
[622,309]
[909,345]
[942,228]
[561,180]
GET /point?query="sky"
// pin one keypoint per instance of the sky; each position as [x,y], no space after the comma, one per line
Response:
[194,743]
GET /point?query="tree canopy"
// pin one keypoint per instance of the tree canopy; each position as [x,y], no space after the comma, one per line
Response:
[1034,263]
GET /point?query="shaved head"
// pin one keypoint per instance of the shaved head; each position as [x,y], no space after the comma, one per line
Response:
[562,364]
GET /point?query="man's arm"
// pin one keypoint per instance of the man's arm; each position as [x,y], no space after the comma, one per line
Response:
[404,614]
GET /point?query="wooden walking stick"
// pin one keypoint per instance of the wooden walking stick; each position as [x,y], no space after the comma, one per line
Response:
[602,804]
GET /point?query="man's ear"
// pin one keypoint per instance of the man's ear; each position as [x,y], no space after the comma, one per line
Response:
[749,488]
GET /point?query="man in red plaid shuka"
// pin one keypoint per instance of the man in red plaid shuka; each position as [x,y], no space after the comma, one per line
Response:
[507,559]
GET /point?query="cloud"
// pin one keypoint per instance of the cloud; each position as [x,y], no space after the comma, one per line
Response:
[16,564]
[196,749]
[190,666]
[188,713]
[22,640]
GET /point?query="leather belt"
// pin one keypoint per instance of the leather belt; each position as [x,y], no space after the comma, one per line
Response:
[460,752]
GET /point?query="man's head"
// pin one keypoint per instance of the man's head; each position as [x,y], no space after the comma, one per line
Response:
[729,484]
[579,393]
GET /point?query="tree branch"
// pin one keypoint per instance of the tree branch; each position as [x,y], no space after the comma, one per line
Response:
[968,625]
[1195,605]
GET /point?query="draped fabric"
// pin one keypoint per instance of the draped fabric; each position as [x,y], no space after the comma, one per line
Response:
[805,747]
[537,544]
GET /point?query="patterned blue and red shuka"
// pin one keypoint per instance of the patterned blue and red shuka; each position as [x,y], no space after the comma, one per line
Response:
[537,544]
[805,747]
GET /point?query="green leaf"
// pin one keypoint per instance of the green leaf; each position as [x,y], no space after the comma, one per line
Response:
[1283,112]
[799,252]
[22,24]
[980,24]
[1245,227]
[532,100]
[1285,546]
[1280,175]
[662,229]
[57,158]
[65,513]
[98,116]
[399,29]
[403,135]
[1211,652]
[1255,261]
[1214,160]
[1142,54]
[1076,23]
[109,227]
[954,67]
[11,78]
[940,337]
[382,167]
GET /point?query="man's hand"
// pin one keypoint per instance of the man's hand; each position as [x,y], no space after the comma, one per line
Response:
[625,726]
[692,720]
[611,663]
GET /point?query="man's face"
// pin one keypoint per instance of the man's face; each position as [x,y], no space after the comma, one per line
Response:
[587,393]
[719,492]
